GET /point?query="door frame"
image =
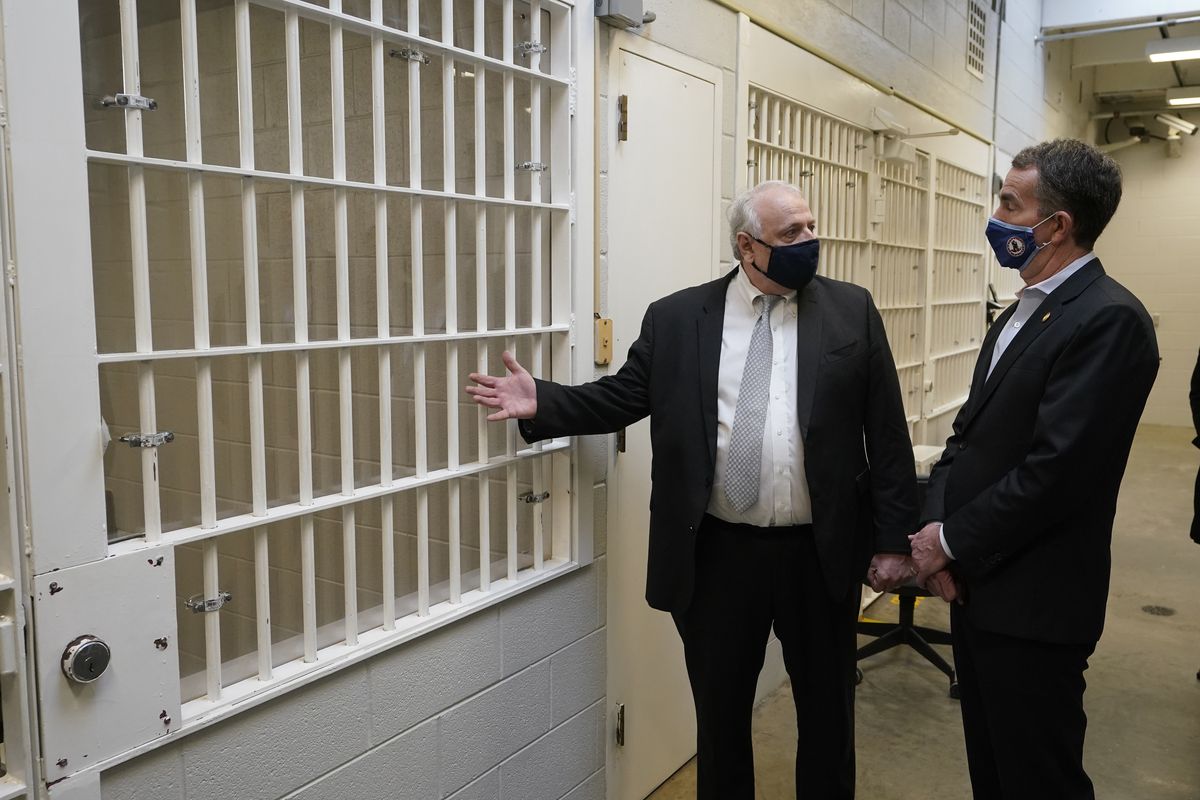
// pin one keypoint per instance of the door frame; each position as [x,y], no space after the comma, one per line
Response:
[672,59]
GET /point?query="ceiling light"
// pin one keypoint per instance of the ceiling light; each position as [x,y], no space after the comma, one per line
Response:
[1176,124]
[1184,96]
[1184,48]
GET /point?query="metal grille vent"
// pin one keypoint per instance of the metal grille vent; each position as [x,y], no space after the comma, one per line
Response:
[976,37]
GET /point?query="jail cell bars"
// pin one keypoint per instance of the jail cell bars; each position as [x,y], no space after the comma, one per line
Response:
[332,215]
[957,323]
[898,270]
[826,158]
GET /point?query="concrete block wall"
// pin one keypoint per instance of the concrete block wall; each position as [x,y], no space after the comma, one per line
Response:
[507,704]
[1150,247]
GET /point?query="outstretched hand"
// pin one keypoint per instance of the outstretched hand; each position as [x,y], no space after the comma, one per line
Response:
[513,397]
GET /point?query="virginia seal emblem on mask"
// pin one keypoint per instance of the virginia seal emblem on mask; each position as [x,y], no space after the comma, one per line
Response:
[1015,246]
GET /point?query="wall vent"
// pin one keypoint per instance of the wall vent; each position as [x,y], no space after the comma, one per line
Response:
[976,37]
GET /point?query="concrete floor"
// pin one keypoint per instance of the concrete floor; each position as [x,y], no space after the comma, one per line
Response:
[1143,698]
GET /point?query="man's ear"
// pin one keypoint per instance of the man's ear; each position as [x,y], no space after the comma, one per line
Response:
[745,245]
[1066,227]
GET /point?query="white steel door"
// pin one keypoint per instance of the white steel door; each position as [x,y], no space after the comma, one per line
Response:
[664,187]
[261,244]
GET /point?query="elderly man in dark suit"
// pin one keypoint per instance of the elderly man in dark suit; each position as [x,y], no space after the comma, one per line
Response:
[1022,501]
[782,468]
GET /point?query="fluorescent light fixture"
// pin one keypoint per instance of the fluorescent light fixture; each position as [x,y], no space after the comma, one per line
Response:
[1185,48]
[1176,124]
[1184,96]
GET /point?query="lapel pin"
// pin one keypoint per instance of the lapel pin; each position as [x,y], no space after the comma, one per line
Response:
[1046,317]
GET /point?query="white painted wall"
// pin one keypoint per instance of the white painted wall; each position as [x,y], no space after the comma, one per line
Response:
[1077,13]
[1151,247]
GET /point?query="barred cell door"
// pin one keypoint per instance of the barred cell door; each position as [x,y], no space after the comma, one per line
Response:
[260,245]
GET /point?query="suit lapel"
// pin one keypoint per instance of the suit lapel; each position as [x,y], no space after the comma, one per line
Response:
[808,352]
[709,325]
[1041,320]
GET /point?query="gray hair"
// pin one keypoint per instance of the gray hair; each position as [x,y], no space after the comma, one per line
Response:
[1077,178]
[743,212]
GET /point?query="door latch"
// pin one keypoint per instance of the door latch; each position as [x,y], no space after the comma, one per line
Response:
[201,605]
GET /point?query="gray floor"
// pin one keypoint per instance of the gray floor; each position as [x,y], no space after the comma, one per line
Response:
[1143,698]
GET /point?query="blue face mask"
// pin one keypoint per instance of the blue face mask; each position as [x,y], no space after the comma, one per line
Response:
[1015,245]
[791,265]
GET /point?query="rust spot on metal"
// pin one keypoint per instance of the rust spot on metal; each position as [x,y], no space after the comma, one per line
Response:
[161,643]
[155,562]
[62,762]
[55,588]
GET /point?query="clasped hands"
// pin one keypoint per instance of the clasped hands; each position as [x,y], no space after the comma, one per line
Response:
[927,566]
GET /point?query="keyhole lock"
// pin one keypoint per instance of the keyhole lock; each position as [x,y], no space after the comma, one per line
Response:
[85,659]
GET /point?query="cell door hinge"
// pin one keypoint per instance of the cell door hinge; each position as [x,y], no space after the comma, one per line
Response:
[529,48]
[571,332]
[199,604]
[619,727]
[572,92]
[128,102]
[148,439]
[623,118]
[571,208]
[410,54]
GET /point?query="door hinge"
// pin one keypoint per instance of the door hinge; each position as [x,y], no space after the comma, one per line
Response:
[623,118]
[620,725]
[571,332]
[199,604]
[530,47]
[571,208]
[148,439]
[127,102]
[410,54]
[572,92]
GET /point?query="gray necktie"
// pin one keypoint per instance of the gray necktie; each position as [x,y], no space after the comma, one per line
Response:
[744,462]
[1029,302]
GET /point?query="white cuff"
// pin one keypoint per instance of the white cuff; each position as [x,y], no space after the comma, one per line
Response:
[942,538]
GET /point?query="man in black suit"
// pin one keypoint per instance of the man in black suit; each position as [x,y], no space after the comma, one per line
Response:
[1022,501]
[1194,397]
[781,464]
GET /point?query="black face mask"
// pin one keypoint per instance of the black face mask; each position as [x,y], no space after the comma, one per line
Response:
[791,265]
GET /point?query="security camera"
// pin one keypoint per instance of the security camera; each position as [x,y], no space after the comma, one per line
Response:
[1177,124]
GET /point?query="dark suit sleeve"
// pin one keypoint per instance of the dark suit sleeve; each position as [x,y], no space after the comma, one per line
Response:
[601,406]
[1101,378]
[1194,397]
[889,448]
[934,509]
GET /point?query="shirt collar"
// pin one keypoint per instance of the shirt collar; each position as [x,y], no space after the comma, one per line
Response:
[1059,278]
[747,291]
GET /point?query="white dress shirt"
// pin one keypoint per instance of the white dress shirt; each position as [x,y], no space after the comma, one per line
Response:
[783,497]
[1031,297]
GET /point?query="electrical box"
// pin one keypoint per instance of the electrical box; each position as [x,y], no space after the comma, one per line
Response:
[620,13]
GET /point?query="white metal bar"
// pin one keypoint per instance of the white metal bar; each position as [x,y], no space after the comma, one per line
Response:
[262,601]
[395,35]
[449,183]
[341,251]
[245,100]
[330,344]
[124,159]
[382,289]
[350,572]
[199,264]
[510,272]
[481,294]
[212,621]
[388,538]
[329,502]
[140,262]
[299,276]
[308,587]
